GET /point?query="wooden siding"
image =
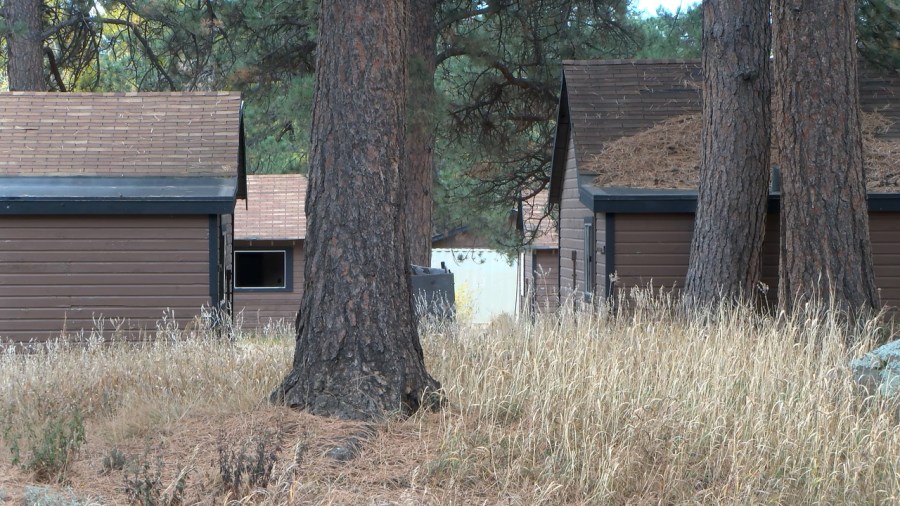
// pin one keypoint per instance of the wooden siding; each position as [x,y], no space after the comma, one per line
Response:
[545,263]
[540,290]
[264,308]
[58,273]
[571,231]
[654,248]
[884,230]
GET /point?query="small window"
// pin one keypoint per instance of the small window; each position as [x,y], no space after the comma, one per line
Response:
[261,270]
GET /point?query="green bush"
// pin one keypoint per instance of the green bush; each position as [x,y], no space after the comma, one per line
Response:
[49,449]
[114,461]
[144,485]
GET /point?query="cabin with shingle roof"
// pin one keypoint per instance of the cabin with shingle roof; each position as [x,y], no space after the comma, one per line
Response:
[115,207]
[616,236]
[269,230]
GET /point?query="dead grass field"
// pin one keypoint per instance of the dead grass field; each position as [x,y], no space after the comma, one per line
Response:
[648,407]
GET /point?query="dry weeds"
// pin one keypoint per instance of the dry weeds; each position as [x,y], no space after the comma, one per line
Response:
[590,408]
[667,155]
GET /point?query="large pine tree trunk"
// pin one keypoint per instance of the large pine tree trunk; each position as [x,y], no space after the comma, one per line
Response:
[734,156]
[25,61]
[825,247]
[420,131]
[358,353]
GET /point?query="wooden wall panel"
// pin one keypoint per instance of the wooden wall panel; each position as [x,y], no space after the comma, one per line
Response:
[884,231]
[571,231]
[655,247]
[62,273]
[546,288]
[652,249]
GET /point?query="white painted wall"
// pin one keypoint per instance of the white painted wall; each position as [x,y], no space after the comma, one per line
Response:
[485,275]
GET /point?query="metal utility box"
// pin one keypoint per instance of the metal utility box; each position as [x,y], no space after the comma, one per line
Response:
[433,291]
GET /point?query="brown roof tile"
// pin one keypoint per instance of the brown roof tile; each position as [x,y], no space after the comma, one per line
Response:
[128,134]
[274,208]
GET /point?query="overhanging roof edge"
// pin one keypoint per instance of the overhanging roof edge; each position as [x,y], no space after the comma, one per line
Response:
[655,200]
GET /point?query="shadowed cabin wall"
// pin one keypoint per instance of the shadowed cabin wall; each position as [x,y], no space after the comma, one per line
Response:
[227,274]
[540,267]
[261,308]
[652,249]
[571,231]
[544,266]
[59,273]
[884,232]
[655,248]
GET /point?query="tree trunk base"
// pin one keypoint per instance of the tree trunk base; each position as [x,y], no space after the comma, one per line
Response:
[353,389]
[368,399]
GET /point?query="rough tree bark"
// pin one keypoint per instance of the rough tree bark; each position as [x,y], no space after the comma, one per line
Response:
[825,248]
[25,62]
[420,130]
[358,353]
[730,222]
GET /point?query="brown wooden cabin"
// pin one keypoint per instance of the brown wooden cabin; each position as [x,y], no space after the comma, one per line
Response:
[270,227]
[539,259]
[114,206]
[611,239]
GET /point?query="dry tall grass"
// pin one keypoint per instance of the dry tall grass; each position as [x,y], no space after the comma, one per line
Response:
[647,406]
[651,407]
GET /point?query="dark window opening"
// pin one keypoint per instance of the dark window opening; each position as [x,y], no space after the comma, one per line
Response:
[260,270]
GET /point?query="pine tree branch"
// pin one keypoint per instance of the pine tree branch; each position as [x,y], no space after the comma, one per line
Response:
[135,29]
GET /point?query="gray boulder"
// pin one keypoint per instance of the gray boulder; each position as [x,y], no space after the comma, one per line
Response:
[878,372]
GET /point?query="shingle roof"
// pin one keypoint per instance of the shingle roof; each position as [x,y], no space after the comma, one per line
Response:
[603,100]
[120,134]
[611,99]
[273,210]
[540,228]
